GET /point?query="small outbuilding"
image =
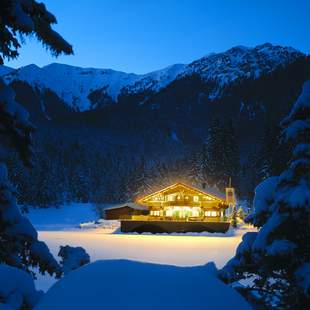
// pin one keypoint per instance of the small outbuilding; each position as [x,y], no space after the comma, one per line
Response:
[124,211]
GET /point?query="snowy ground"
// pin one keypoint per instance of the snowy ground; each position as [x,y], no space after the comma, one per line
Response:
[122,284]
[64,218]
[102,243]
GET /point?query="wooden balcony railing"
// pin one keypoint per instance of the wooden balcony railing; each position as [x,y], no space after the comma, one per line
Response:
[175,219]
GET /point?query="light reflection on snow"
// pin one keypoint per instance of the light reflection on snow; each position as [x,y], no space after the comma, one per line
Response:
[183,250]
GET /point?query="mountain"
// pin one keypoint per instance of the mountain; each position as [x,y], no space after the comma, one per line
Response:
[77,86]
[101,130]
[84,89]
[5,70]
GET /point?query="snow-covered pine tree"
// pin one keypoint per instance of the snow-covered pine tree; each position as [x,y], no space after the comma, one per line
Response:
[19,244]
[277,257]
[20,18]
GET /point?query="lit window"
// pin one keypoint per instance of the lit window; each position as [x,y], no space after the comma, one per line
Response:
[171,198]
[169,212]
[210,213]
[195,212]
[196,198]
[155,213]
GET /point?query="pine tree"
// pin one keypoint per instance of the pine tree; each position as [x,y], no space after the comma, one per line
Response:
[195,167]
[213,154]
[277,257]
[230,156]
[19,19]
[19,244]
[139,179]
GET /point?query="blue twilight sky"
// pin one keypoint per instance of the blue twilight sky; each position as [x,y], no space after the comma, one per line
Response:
[144,35]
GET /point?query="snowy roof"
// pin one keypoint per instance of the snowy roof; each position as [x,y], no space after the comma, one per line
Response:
[210,190]
[131,205]
[213,192]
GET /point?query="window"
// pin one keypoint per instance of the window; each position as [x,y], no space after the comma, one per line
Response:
[196,198]
[171,198]
[195,212]
[210,213]
[169,212]
[155,213]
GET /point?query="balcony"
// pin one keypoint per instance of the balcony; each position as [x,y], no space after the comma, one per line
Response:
[183,202]
[151,218]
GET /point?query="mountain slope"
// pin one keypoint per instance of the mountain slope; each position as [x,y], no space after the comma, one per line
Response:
[87,88]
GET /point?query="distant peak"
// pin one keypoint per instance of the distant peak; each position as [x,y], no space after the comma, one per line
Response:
[31,67]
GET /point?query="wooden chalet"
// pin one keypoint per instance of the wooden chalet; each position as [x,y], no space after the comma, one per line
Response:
[179,208]
[125,210]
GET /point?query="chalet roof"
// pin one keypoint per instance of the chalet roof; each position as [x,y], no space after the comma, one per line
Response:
[213,192]
[131,205]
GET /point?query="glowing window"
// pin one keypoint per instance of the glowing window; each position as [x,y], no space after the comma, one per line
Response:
[195,212]
[171,198]
[196,198]
[210,213]
[169,212]
[155,213]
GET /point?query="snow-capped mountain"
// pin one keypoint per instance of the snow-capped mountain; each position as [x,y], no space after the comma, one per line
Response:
[241,62]
[75,85]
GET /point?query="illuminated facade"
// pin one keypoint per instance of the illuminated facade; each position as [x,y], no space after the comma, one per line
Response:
[182,202]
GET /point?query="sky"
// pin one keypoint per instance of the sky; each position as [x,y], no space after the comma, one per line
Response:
[145,35]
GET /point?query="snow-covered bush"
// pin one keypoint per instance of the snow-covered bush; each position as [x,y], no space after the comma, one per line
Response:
[17,289]
[277,257]
[72,258]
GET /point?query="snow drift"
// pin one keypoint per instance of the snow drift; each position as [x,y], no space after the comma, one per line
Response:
[17,289]
[122,284]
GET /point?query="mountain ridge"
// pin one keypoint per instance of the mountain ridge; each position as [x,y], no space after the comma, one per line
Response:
[85,89]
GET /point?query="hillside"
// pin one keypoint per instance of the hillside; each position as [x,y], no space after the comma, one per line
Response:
[105,129]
